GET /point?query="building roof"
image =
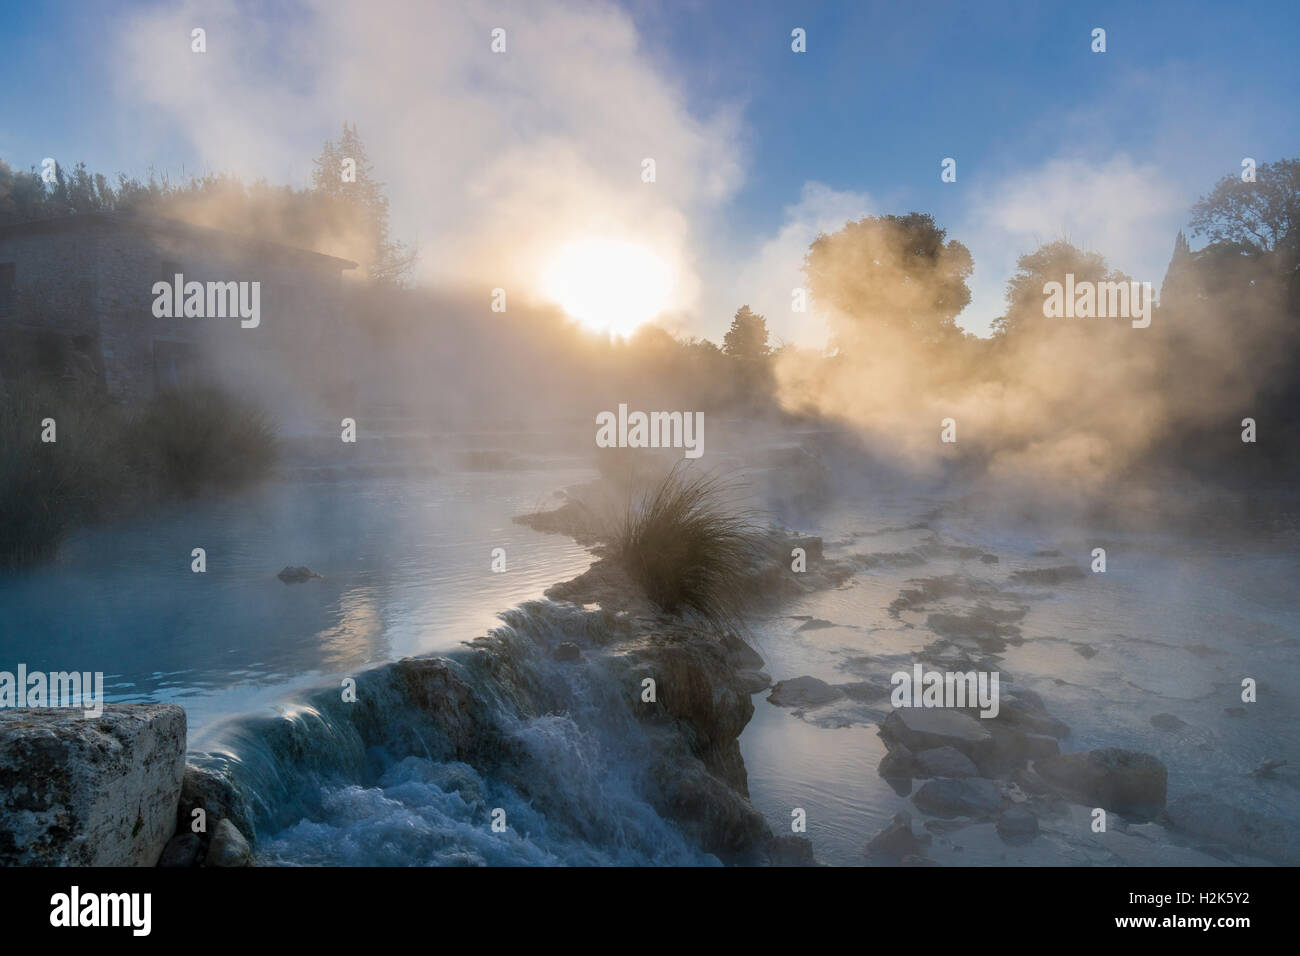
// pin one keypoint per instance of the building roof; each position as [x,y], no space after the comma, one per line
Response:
[160,225]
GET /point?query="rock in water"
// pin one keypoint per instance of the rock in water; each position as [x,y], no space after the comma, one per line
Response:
[926,728]
[228,847]
[944,762]
[567,651]
[1210,818]
[182,850]
[790,850]
[897,840]
[1017,824]
[803,692]
[77,791]
[946,797]
[296,575]
[1168,722]
[1124,781]
[897,764]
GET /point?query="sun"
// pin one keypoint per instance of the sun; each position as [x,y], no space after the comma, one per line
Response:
[610,285]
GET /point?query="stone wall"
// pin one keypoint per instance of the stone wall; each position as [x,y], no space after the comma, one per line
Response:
[95,283]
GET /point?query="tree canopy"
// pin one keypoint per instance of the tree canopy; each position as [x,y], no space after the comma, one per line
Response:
[896,272]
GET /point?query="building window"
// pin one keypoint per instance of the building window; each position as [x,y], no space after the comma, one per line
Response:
[170,269]
[8,286]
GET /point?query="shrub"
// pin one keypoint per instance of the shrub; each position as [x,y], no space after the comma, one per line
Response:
[48,487]
[688,549]
[186,441]
[105,460]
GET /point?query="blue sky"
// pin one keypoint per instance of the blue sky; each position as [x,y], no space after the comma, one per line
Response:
[1050,138]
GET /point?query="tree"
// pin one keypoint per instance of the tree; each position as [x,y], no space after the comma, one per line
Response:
[22,195]
[1050,262]
[360,197]
[1180,283]
[890,272]
[1254,226]
[747,337]
[1263,214]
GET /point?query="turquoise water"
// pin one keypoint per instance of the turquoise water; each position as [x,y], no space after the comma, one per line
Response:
[406,564]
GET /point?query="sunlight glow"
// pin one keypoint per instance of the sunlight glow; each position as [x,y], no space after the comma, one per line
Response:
[609,284]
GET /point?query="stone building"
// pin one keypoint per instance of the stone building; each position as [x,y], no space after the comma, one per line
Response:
[78,305]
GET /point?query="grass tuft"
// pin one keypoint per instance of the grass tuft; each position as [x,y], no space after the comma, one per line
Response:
[689,549]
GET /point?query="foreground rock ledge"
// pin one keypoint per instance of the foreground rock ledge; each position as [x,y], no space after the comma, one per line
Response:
[77,791]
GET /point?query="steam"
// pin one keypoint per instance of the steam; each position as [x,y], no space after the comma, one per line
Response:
[492,160]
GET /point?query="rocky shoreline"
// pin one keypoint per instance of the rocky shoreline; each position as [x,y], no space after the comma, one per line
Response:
[118,791]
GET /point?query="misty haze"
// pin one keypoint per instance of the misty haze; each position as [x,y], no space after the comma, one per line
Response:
[606,434]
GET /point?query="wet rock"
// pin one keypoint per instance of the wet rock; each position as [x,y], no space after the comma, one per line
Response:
[77,791]
[210,791]
[697,688]
[1010,750]
[945,797]
[1123,781]
[182,850]
[296,575]
[896,840]
[1209,818]
[790,850]
[228,848]
[987,627]
[864,691]
[1057,575]
[1038,746]
[567,651]
[897,764]
[751,682]
[1017,823]
[1167,722]
[1267,768]
[1031,783]
[1020,711]
[433,685]
[814,624]
[710,813]
[803,692]
[944,762]
[914,860]
[1086,651]
[924,728]
[741,654]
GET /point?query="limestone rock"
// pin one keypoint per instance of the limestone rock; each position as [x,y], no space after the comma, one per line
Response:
[947,797]
[182,850]
[77,791]
[944,762]
[296,575]
[228,847]
[1210,818]
[1124,781]
[803,692]
[923,728]
[1017,823]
